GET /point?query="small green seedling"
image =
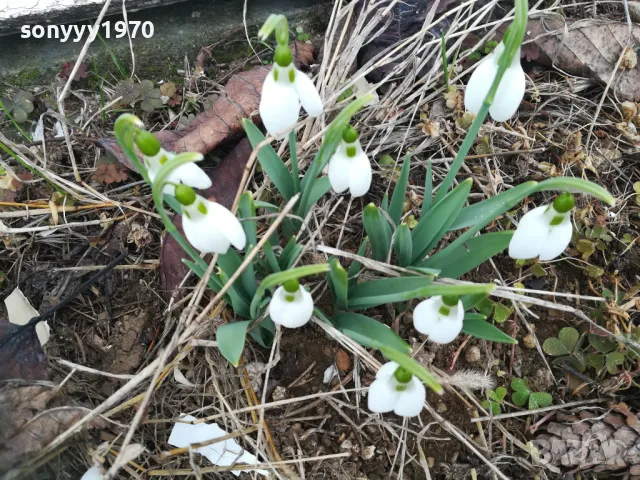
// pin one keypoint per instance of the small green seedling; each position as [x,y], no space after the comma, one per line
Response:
[301,35]
[20,106]
[522,395]
[495,400]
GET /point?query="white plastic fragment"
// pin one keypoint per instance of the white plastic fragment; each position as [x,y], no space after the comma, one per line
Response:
[223,454]
[20,311]
[330,373]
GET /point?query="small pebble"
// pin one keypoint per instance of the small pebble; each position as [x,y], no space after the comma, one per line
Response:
[442,407]
[368,452]
[279,393]
[346,445]
[529,341]
[343,361]
[473,354]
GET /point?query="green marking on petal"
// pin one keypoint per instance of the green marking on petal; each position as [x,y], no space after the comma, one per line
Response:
[202,208]
[557,220]
[444,310]
[292,75]
[351,152]
[275,74]
[163,160]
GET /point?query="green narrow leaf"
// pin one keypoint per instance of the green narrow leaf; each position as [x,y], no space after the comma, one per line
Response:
[230,338]
[412,366]
[455,262]
[281,277]
[271,163]
[474,316]
[424,271]
[400,192]
[264,332]
[229,263]
[289,248]
[271,257]
[374,288]
[338,283]
[482,329]
[428,188]
[247,209]
[402,245]
[470,301]
[368,332]
[435,223]
[248,276]
[354,268]
[319,188]
[293,152]
[384,205]
[239,304]
[408,294]
[378,231]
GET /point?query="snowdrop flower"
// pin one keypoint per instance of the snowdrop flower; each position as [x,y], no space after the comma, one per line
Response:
[284,89]
[291,305]
[208,226]
[349,167]
[545,231]
[155,157]
[396,389]
[510,90]
[440,318]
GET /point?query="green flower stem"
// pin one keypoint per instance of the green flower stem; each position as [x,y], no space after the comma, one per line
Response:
[158,185]
[125,128]
[295,174]
[513,38]
[280,25]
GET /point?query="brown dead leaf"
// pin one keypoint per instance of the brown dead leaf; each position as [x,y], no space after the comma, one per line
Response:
[303,53]
[21,354]
[33,415]
[108,173]
[226,178]
[588,48]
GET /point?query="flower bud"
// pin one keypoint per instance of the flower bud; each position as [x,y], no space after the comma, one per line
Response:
[283,56]
[349,134]
[148,144]
[185,194]
[564,202]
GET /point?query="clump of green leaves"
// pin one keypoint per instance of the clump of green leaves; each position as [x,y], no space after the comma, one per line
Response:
[301,35]
[495,400]
[144,92]
[488,307]
[19,106]
[603,354]
[522,395]
[567,347]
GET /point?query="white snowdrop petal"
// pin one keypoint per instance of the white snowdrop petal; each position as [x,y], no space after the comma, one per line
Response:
[338,170]
[424,313]
[428,320]
[93,473]
[530,236]
[203,235]
[382,396]
[386,370]
[558,240]
[279,107]
[291,314]
[308,94]
[509,94]
[411,401]
[479,84]
[221,219]
[360,174]
[192,175]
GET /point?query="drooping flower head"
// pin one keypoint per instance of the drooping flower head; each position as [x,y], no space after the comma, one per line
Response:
[209,227]
[291,305]
[439,317]
[155,157]
[349,167]
[544,232]
[285,87]
[510,90]
[396,389]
